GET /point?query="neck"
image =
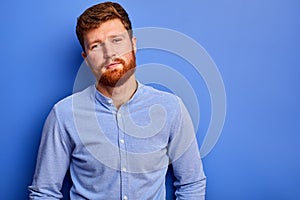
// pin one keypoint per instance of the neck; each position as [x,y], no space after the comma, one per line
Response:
[119,94]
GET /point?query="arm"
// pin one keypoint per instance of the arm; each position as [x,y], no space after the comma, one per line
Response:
[52,162]
[184,153]
[190,179]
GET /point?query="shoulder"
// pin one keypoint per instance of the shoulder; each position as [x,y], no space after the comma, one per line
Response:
[149,91]
[66,105]
[168,100]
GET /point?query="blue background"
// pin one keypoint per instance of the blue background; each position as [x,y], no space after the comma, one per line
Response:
[255,45]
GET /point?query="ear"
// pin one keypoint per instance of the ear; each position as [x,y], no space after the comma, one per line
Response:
[133,40]
[84,56]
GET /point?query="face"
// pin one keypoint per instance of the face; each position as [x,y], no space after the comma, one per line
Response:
[110,53]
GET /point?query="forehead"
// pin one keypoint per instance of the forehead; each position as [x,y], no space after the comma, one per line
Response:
[107,29]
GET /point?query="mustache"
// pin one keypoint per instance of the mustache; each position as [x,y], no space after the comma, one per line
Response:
[119,60]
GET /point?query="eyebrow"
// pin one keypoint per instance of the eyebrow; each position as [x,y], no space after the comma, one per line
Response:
[95,41]
[117,35]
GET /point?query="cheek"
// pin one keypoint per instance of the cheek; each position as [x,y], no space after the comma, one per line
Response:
[125,49]
[96,67]
[123,52]
[129,56]
[95,62]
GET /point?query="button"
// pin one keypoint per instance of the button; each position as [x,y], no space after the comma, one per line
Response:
[124,169]
[119,115]
[122,141]
[109,101]
[125,197]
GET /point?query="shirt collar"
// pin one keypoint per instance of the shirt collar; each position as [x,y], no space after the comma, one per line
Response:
[108,101]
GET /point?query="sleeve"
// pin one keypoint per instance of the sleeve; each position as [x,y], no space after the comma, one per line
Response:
[52,162]
[185,158]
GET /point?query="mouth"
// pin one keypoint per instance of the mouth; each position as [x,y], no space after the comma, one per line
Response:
[113,65]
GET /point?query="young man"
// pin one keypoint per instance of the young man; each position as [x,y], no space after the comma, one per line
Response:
[118,136]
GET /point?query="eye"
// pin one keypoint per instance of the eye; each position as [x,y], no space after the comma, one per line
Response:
[95,46]
[117,40]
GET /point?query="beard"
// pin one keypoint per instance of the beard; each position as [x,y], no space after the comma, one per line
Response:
[117,77]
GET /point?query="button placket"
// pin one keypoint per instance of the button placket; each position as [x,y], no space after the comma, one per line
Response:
[122,150]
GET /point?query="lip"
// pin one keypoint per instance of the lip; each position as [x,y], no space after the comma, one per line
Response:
[112,65]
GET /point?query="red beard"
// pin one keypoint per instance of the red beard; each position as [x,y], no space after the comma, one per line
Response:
[117,77]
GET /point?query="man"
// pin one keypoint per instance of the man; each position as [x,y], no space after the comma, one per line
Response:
[118,136]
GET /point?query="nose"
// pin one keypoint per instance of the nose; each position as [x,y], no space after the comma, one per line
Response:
[109,51]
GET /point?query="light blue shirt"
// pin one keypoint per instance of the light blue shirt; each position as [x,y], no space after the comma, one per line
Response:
[119,153]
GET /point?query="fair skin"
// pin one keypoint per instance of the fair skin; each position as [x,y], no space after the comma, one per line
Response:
[102,46]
